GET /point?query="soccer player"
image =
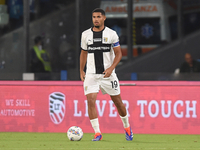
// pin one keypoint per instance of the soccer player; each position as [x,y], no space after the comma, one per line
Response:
[102,52]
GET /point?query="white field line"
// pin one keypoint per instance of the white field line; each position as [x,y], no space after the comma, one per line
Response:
[99,148]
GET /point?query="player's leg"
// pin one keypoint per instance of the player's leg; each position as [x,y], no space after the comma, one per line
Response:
[91,102]
[121,109]
[119,104]
[111,86]
[91,88]
[123,115]
[92,112]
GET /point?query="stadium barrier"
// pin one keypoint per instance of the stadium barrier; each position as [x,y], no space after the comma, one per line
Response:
[154,107]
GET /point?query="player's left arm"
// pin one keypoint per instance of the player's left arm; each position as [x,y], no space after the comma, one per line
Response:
[118,57]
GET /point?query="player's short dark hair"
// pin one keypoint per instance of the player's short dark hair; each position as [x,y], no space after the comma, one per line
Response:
[99,10]
[37,39]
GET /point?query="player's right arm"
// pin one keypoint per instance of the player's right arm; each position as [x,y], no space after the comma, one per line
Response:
[83,59]
[83,55]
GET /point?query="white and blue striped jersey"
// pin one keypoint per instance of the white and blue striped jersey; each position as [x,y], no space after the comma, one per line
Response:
[100,49]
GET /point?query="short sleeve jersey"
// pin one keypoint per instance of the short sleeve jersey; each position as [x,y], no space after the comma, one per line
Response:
[100,49]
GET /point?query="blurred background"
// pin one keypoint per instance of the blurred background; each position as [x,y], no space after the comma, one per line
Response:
[154,35]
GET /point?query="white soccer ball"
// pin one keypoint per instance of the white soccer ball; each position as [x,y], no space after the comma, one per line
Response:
[75,133]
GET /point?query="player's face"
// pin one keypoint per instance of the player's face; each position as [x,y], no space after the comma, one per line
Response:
[98,19]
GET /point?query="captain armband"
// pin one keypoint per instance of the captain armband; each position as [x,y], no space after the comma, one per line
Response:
[116,44]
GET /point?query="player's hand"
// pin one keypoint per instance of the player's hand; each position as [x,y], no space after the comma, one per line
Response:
[82,75]
[107,73]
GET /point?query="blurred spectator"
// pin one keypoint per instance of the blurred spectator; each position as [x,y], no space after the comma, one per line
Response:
[40,60]
[190,65]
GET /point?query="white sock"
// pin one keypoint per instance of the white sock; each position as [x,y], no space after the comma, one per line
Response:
[95,125]
[125,121]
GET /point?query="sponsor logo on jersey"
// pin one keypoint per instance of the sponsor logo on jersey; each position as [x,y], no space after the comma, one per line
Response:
[97,40]
[90,42]
[57,107]
[99,48]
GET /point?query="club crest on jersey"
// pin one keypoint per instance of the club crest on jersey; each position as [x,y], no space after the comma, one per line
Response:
[105,39]
[57,107]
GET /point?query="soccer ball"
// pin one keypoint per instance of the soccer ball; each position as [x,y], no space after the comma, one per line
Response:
[75,133]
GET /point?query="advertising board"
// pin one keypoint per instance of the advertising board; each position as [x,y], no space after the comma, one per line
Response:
[54,106]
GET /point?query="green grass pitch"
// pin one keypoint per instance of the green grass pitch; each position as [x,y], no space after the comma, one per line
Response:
[59,141]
